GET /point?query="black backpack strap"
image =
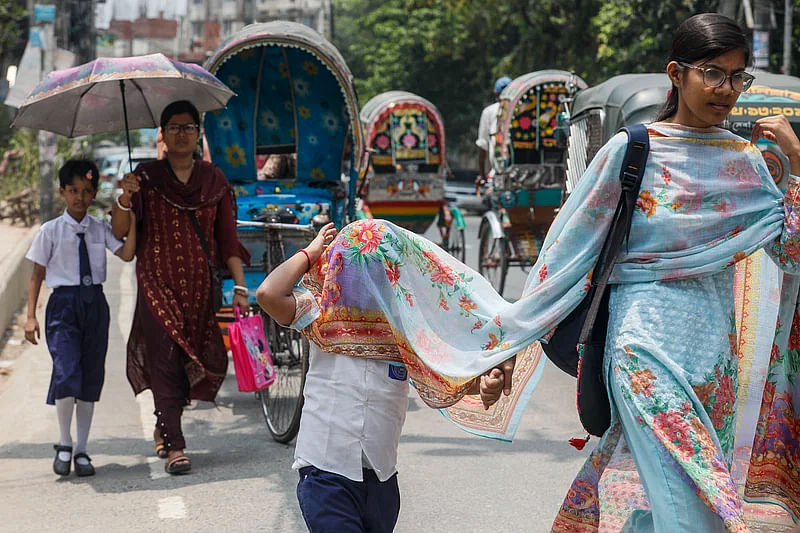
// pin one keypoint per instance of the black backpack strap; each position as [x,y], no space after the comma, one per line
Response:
[630,177]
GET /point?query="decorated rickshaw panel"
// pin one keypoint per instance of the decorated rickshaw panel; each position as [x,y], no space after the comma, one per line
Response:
[322,117]
[230,130]
[542,101]
[274,120]
[404,137]
[406,133]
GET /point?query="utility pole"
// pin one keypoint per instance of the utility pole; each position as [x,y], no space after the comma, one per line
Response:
[761,12]
[333,27]
[729,8]
[787,37]
[82,38]
[44,18]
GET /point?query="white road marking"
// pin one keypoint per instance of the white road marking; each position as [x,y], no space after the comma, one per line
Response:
[145,399]
[171,508]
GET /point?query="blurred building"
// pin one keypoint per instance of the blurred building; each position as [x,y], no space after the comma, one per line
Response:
[190,30]
[144,36]
[313,13]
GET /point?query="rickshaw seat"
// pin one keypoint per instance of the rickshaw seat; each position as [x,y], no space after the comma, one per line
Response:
[301,198]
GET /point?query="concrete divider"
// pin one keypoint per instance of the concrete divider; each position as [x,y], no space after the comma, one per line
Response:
[15,272]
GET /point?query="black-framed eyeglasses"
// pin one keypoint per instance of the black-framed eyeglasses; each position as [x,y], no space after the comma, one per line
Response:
[714,77]
[188,129]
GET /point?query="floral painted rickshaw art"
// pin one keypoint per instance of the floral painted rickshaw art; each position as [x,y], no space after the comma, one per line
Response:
[405,183]
[528,171]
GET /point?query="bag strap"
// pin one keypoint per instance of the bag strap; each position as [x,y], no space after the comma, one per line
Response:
[201,235]
[630,176]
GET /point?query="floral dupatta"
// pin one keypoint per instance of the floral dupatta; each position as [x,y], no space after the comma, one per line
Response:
[707,202]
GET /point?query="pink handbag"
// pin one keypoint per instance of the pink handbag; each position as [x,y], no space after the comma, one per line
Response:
[251,358]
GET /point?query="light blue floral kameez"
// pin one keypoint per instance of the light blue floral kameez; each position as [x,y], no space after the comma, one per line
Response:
[707,201]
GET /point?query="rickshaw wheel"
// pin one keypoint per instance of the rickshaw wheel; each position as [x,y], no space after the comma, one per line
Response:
[492,258]
[282,401]
[457,244]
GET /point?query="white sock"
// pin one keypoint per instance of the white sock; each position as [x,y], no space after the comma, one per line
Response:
[64,407]
[83,421]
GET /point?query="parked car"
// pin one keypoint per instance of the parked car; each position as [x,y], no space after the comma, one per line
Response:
[114,168]
[459,189]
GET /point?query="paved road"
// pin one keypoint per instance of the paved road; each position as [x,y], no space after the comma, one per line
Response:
[241,481]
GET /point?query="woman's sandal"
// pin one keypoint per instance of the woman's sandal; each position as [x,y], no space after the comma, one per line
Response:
[161,449]
[178,465]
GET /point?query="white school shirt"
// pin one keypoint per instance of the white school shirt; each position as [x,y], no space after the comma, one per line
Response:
[55,247]
[354,409]
[487,129]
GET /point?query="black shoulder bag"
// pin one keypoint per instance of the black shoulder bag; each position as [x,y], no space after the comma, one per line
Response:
[578,344]
[216,276]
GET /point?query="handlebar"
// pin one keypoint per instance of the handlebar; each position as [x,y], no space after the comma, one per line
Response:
[305,228]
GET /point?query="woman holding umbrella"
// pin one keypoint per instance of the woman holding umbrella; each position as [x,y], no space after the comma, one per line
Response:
[187,225]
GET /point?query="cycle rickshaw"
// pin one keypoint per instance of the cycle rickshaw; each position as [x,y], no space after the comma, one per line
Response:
[405,183]
[295,104]
[526,188]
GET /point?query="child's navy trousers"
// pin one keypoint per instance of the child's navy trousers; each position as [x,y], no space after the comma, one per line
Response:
[335,504]
[77,337]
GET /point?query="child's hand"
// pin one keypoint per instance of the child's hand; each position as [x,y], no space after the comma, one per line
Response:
[323,239]
[497,380]
[32,330]
[491,387]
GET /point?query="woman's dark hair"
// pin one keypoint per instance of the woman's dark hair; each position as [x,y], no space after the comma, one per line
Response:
[703,36]
[78,168]
[177,108]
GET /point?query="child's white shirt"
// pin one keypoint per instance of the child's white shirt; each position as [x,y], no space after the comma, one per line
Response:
[55,247]
[354,409]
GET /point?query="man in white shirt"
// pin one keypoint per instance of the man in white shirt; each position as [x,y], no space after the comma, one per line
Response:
[487,128]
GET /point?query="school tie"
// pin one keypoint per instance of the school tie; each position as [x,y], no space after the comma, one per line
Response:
[87,294]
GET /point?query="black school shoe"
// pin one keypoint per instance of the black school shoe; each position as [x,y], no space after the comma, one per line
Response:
[83,470]
[61,467]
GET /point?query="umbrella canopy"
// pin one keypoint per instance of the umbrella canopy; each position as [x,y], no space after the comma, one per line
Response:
[112,94]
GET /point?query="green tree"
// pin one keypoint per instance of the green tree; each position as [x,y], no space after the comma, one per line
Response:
[635,35]
[22,168]
[13,20]
[450,51]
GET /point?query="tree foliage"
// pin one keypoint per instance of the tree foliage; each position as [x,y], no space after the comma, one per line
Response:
[450,51]
[13,18]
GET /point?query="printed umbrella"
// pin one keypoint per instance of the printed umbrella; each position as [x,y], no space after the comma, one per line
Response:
[88,98]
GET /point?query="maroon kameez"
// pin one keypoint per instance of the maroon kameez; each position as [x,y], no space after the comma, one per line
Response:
[175,347]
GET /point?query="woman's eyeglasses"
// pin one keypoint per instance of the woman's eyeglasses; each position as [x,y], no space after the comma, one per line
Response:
[714,77]
[188,129]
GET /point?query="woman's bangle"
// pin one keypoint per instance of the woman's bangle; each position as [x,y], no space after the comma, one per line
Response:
[241,289]
[122,206]
[308,257]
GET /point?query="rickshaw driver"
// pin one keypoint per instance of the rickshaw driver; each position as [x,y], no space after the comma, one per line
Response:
[486,128]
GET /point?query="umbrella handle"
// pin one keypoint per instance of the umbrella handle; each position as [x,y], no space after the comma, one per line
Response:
[127,133]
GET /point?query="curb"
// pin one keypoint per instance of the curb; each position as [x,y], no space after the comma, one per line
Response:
[14,279]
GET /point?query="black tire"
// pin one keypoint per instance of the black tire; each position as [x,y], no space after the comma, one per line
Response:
[282,401]
[492,258]
[457,244]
